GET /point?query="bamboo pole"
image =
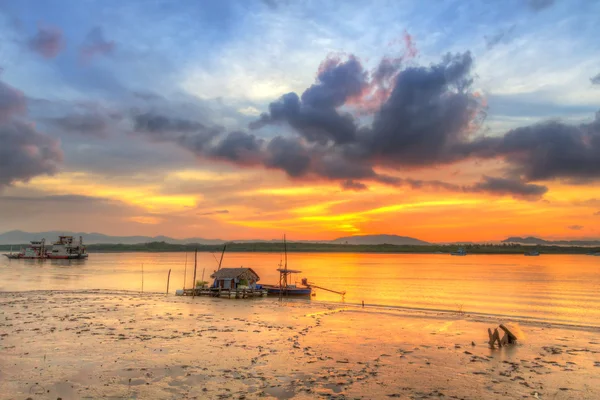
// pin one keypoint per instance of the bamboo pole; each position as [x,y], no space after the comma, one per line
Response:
[185,270]
[168,279]
[142,278]
[195,265]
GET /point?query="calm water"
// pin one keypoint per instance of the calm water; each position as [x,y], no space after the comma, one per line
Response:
[559,288]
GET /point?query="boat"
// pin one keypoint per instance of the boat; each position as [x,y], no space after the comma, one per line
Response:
[286,287]
[289,289]
[36,250]
[459,252]
[532,253]
[67,249]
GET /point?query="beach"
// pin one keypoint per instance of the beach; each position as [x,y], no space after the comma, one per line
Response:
[122,344]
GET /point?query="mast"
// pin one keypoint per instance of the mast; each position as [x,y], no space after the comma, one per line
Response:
[285,250]
[222,254]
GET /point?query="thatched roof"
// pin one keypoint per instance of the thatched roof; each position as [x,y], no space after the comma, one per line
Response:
[233,273]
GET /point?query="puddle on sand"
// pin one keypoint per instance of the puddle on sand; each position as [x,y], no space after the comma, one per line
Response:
[281,392]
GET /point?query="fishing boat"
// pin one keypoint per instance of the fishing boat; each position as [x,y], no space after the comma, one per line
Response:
[67,249]
[35,250]
[286,287]
[532,253]
[459,252]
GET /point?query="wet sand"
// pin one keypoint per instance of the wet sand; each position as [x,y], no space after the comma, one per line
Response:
[121,345]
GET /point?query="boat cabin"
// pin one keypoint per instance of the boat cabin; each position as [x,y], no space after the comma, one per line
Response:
[235,278]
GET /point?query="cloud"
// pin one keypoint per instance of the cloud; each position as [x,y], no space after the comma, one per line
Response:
[87,124]
[430,117]
[95,44]
[513,187]
[547,150]
[353,185]
[48,41]
[12,102]
[24,152]
[160,127]
[214,212]
[597,213]
[538,5]
[315,115]
[595,80]
[502,36]
[575,227]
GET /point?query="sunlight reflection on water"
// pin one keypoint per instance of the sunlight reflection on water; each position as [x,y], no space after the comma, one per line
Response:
[558,287]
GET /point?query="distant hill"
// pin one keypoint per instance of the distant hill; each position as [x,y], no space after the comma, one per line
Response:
[538,241]
[379,239]
[20,237]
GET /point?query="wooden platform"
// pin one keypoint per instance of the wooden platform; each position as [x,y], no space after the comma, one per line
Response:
[226,293]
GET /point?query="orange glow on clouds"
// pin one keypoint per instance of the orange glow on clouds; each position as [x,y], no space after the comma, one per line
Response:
[232,205]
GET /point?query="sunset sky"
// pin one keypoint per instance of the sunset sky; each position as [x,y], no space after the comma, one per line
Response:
[443,120]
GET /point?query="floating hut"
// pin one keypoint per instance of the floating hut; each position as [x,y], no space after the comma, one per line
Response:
[234,278]
[239,283]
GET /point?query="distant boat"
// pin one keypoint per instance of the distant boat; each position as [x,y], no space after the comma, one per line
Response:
[459,252]
[35,251]
[532,253]
[67,249]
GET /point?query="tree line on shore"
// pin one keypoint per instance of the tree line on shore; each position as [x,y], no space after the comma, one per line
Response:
[504,248]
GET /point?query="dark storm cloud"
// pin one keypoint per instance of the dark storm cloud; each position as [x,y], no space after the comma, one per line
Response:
[26,153]
[48,41]
[429,116]
[289,155]
[547,150]
[504,186]
[238,147]
[595,80]
[538,5]
[314,115]
[429,111]
[353,185]
[95,44]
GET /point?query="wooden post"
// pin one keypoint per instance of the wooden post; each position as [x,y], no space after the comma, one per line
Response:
[185,271]
[142,278]
[168,279]
[195,265]
[511,337]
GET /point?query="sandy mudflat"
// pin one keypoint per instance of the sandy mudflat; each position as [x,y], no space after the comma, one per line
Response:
[122,345]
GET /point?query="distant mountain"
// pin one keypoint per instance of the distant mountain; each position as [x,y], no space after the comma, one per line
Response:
[379,239]
[20,237]
[538,241]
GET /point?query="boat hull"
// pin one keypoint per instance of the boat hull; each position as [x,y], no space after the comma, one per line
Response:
[22,257]
[68,257]
[276,291]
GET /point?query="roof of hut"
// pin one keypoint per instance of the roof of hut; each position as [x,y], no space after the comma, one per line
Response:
[232,273]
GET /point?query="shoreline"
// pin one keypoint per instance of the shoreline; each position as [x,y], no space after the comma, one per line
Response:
[294,247]
[118,344]
[390,310]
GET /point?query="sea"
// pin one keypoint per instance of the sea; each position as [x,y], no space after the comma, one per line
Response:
[562,289]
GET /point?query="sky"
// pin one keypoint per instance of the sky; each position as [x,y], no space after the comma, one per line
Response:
[444,120]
